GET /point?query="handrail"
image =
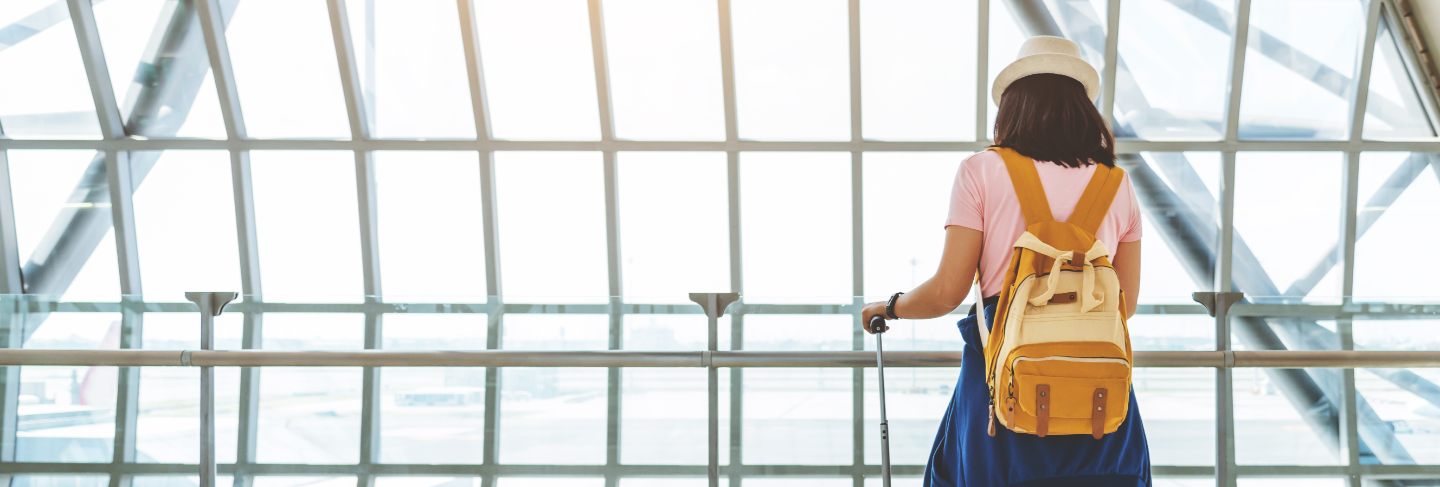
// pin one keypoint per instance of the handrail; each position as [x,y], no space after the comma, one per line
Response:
[720,359]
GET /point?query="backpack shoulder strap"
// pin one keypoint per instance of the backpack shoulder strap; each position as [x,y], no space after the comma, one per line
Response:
[1028,189]
[1095,202]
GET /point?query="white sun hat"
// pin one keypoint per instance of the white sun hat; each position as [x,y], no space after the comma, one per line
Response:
[1048,54]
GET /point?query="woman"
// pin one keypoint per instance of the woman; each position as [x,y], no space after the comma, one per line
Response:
[1047,114]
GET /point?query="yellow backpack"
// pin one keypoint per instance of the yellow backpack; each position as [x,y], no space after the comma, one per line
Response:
[1058,358]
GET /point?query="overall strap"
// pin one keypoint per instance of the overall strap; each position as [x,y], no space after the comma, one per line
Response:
[1027,186]
[1095,202]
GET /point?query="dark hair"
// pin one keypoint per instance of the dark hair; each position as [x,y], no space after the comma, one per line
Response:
[1048,117]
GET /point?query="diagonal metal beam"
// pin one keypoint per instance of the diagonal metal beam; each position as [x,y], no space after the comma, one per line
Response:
[1290,57]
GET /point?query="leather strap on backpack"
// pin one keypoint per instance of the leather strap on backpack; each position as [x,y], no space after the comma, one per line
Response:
[1028,189]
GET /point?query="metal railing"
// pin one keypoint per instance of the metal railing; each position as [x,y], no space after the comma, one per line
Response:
[713,306]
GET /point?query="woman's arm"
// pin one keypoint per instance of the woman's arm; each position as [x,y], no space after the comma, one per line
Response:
[1127,268]
[944,291]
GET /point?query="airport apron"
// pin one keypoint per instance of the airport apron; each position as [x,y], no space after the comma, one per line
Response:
[964,455]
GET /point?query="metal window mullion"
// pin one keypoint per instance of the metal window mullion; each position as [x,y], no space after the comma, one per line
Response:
[121,189]
[982,71]
[857,235]
[612,237]
[11,314]
[732,169]
[132,318]
[356,111]
[1224,377]
[1349,219]
[1112,60]
[82,15]
[1236,85]
[494,322]
[212,24]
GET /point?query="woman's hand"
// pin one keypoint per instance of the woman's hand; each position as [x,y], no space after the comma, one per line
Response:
[871,310]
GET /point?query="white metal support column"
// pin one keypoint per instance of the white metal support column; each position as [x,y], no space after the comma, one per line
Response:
[212,20]
[121,188]
[612,238]
[365,192]
[857,253]
[732,165]
[475,75]
[1112,61]
[11,316]
[1349,217]
[1224,261]
[982,70]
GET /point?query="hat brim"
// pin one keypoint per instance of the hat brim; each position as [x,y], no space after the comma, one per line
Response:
[1052,63]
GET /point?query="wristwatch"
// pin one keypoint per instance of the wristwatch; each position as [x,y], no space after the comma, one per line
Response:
[890,307]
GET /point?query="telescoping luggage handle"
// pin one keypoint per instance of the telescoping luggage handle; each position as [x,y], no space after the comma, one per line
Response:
[877,324]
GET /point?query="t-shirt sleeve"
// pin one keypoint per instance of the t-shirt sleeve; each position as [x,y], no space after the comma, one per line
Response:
[1132,226]
[966,201]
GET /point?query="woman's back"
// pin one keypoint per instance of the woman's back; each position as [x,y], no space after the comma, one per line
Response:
[983,199]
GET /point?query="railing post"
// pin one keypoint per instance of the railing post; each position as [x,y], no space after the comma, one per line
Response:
[210,304]
[714,305]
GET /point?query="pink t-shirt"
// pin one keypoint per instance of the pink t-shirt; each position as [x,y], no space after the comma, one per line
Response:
[984,199]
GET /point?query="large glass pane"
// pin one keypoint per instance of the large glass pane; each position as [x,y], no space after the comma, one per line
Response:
[289,84]
[549,482]
[553,413]
[52,189]
[1284,237]
[427,481]
[189,106]
[539,69]
[60,481]
[1270,428]
[185,224]
[308,226]
[792,78]
[673,225]
[796,482]
[303,481]
[67,414]
[918,213]
[52,98]
[1404,409]
[1405,333]
[664,76]
[433,414]
[915,402]
[1397,194]
[551,207]
[1393,109]
[802,415]
[663,412]
[432,242]
[906,94]
[310,414]
[167,428]
[1178,408]
[1299,68]
[1171,226]
[1176,66]
[412,68]
[796,249]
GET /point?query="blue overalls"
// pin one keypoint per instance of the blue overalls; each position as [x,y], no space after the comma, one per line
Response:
[965,455]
